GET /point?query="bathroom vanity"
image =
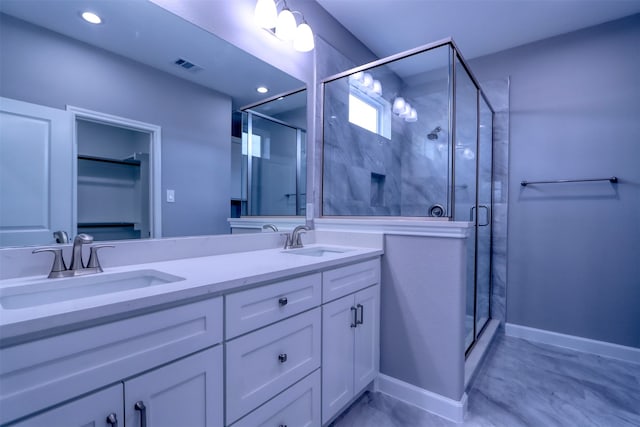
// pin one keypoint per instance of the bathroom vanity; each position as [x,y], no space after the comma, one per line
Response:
[267,337]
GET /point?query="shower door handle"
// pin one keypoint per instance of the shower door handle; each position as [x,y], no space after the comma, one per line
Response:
[488,217]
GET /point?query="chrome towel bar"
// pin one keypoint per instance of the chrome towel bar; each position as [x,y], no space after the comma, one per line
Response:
[612,179]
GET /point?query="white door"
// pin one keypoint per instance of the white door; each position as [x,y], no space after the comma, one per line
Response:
[184,393]
[367,354]
[36,173]
[338,326]
[100,409]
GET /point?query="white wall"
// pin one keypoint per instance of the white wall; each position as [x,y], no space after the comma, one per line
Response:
[574,248]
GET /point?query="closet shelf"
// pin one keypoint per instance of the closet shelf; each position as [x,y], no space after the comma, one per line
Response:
[104,224]
[128,162]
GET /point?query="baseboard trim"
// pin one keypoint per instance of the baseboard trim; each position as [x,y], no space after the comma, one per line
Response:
[601,348]
[453,410]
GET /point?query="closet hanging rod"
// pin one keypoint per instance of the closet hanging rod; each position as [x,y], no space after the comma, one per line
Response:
[612,179]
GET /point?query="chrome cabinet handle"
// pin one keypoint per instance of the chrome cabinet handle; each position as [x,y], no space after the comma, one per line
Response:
[360,308]
[282,357]
[354,312]
[283,301]
[139,405]
[112,419]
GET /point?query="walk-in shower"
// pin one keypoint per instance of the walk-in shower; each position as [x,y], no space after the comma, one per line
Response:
[273,162]
[411,136]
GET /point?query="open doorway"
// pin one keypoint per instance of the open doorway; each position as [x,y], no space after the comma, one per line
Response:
[117,177]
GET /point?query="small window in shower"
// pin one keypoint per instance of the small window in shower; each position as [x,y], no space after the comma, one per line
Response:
[368,109]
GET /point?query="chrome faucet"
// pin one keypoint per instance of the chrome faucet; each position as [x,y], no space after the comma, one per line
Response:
[296,240]
[270,226]
[77,267]
[76,253]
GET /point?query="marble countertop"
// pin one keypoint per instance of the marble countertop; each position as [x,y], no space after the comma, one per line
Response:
[204,277]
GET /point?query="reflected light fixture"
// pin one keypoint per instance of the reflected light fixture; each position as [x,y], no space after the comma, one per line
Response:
[91,18]
[404,110]
[283,25]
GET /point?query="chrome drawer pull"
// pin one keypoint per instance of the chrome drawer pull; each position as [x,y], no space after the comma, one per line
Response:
[112,419]
[282,357]
[139,406]
[360,308]
[283,301]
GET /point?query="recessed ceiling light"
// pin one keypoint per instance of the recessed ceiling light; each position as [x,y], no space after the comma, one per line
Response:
[91,17]
[262,89]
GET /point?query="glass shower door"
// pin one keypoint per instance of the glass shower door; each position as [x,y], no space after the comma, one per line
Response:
[483,235]
[465,151]
[273,175]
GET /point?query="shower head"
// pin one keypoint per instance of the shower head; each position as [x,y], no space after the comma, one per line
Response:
[434,133]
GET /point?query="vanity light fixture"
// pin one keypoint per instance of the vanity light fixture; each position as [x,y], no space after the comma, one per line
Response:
[283,25]
[367,83]
[404,110]
[91,18]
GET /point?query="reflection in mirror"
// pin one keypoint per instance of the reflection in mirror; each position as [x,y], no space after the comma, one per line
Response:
[273,147]
[143,72]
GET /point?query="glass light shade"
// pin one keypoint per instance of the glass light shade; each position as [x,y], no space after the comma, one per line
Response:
[377,87]
[406,111]
[266,14]
[304,38]
[286,25]
[413,116]
[367,81]
[398,105]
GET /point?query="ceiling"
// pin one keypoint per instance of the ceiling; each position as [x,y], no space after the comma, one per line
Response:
[149,34]
[479,27]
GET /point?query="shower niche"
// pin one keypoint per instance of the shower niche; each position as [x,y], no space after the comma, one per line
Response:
[410,137]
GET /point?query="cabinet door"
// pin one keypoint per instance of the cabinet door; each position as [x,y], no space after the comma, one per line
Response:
[337,355]
[183,393]
[367,337]
[92,410]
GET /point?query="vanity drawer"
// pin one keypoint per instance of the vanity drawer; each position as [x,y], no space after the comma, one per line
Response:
[346,280]
[263,363]
[297,406]
[41,373]
[254,308]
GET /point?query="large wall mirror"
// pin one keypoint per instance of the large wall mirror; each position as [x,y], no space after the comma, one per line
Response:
[124,129]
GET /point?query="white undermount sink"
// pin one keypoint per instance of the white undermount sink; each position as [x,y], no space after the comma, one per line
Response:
[317,251]
[50,291]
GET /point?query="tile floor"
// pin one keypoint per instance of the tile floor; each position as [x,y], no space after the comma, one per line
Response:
[522,383]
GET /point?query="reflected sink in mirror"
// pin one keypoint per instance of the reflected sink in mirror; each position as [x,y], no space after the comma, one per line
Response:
[319,251]
[50,291]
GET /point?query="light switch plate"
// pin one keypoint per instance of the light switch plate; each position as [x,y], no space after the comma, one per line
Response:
[171,196]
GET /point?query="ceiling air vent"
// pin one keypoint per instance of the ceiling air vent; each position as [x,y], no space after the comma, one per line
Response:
[187,65]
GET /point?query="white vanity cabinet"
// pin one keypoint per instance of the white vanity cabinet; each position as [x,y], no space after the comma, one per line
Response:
[272,356]
[187,392]
[47,372]
[183,393]
[102,408]
[350,337]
